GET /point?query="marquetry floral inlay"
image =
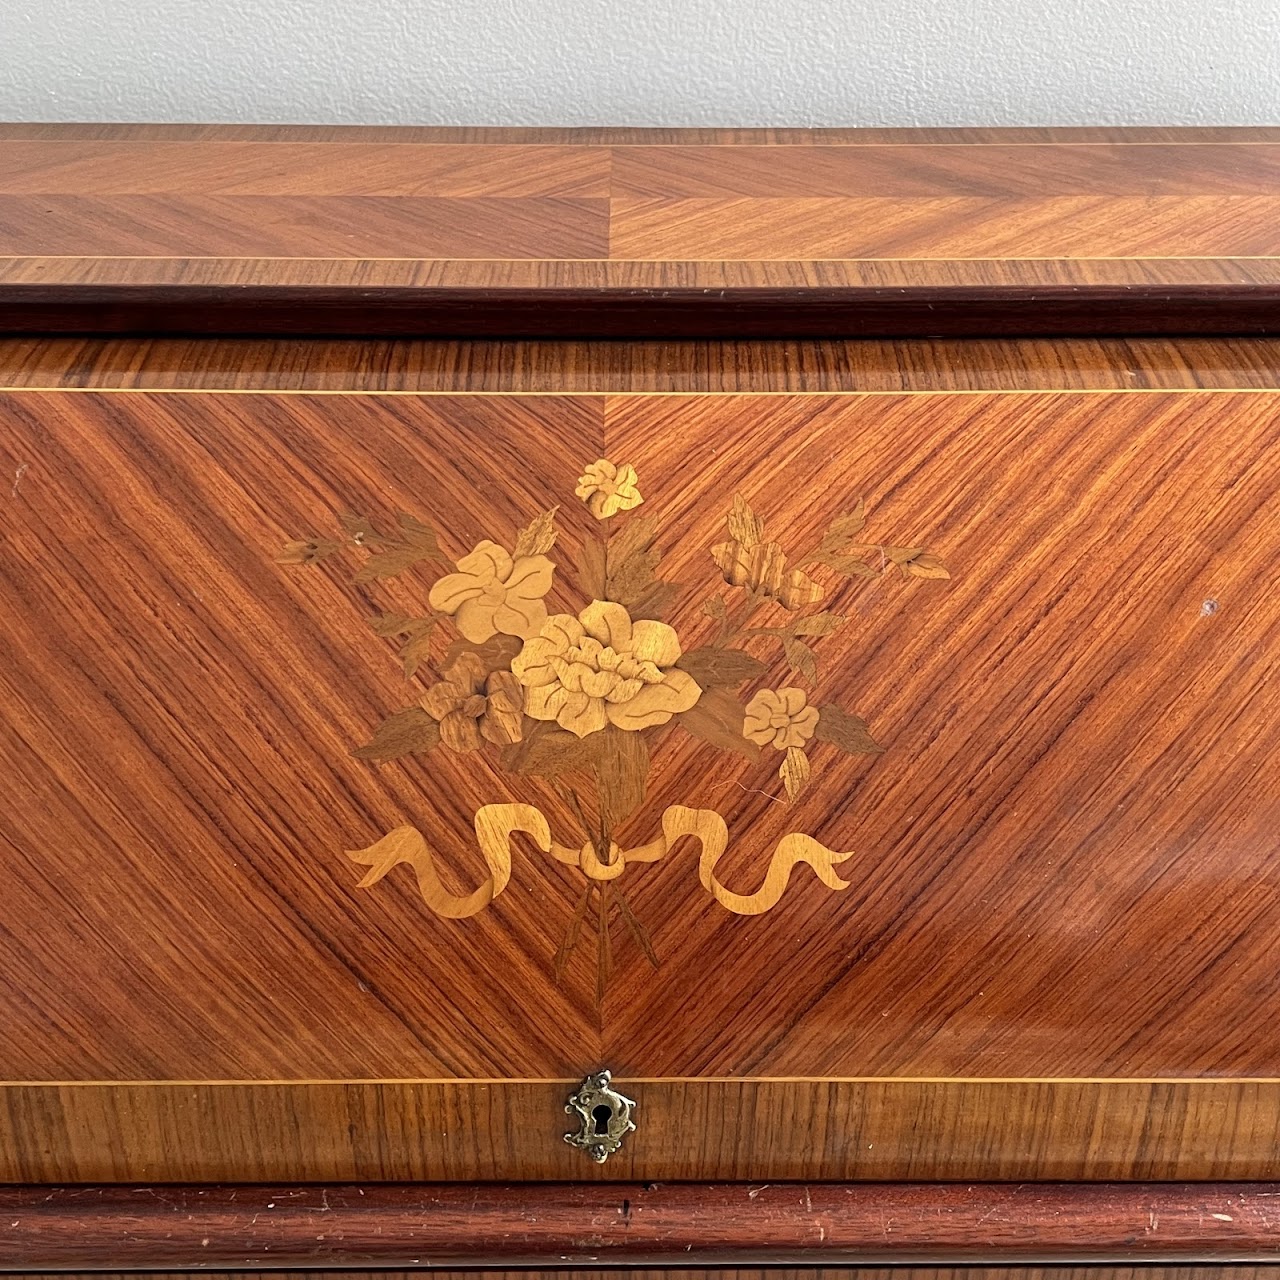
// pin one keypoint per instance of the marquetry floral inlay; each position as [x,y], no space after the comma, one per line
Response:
[579,699]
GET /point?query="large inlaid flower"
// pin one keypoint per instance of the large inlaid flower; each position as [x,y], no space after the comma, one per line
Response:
[472,706]
[602,668]
[782,719]
[491,593]
[608,489]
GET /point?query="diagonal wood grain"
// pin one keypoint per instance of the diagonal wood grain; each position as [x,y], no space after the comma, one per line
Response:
[83,168]
[303,226]
[177,786]
[948,227]
[1102,734]
[933,171]
[1061,859]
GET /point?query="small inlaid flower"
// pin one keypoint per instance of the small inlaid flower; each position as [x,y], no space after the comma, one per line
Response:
[602,668]
[472,707]
[608,489]
[783,719]
[492,592]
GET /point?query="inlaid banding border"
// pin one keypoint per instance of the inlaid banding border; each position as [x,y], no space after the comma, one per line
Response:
[783,1130]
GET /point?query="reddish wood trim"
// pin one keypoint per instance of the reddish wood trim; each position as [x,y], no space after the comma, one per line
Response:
[863,312]
[678,1224]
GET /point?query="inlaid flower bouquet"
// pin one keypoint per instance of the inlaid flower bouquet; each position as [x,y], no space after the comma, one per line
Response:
[578,699]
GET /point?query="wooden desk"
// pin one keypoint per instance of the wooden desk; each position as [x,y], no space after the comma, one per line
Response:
[865,750]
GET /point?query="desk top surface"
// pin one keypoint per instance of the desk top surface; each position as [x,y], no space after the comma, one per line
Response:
[562,213]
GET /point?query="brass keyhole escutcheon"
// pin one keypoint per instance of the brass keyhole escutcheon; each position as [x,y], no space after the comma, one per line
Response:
[604,1115]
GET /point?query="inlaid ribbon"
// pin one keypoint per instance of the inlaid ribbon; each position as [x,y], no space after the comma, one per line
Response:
[496,823]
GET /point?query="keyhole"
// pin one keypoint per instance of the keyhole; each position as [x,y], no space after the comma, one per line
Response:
[602,1115]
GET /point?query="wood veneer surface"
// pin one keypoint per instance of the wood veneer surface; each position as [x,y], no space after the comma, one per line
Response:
[1077,743]
[714,1225]
[583,210]
[971,364]
[1070,826]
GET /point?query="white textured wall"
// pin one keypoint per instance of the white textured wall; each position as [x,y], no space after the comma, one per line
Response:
[656,62]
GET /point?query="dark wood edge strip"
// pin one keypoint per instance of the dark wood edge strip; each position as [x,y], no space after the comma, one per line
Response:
[673,1224]
[1085,1271]
[973,310]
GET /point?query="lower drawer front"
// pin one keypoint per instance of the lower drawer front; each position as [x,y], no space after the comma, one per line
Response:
[879,785]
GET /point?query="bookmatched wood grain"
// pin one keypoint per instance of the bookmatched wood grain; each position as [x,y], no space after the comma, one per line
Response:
[650,1225]
[1074,756]
[757,233]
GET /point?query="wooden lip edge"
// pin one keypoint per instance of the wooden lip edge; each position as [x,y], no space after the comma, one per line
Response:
[705,312]
[690,1224]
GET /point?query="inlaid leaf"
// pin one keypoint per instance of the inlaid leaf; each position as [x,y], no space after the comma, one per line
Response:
[307,551]
[537,537]
[715,608]
[631,560]
[711,666]
[417,542]
[655,601]
[548,751]
[801,659]
[925,566]
[846,731]
[621,766]
[415,529]
[818,624]
[718,718]
[408,732]
[359,530]
[591,569]
[417,648]
[634,576]
[839,534]
[495,654]
[393,624]
[901,555]
[745,526]
[417,632]
[846,527]
[794,772]
[635,535]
